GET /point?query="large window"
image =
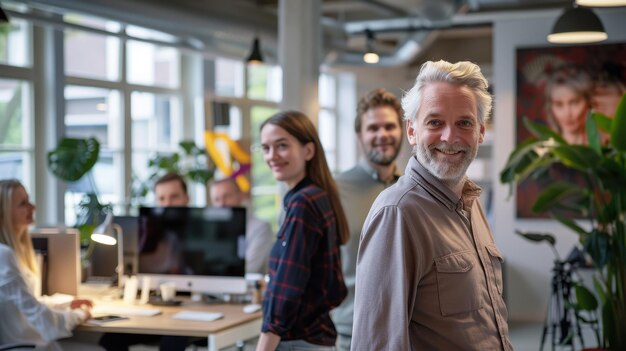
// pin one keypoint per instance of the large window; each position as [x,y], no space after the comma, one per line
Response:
[95,112]
[133,116]
[91,55]
[265,195]
[14,43]
[134,89]
[249,107]
[149,64]
[15,130]
[327,122]
[263,90]
[265,83]
[156,127]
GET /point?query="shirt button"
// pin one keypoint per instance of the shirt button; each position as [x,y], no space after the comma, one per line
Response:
[284,243]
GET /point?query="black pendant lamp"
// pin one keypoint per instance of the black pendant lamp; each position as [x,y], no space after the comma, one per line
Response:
[255,55]
[577,25]
[370,55]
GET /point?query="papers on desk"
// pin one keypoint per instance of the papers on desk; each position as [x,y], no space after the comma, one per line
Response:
[198,316]
[125,311]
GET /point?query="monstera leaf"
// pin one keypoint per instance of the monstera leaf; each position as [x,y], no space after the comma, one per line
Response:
[73,157]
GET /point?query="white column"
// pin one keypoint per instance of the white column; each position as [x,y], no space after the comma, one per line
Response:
[299,53]
[49,116]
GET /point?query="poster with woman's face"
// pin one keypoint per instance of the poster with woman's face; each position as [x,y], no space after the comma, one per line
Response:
[558,86]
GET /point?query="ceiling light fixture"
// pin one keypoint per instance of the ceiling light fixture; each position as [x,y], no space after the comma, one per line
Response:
[255,55]
[577,25]
[370,55]
[601,3]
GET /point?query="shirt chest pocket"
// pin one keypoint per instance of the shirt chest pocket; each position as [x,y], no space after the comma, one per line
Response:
[496,263]
[458,281]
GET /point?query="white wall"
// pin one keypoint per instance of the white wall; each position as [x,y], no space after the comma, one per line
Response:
[528,265]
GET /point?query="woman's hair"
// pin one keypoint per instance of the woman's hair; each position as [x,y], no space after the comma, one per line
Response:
[23,247]
[575,78]
[300,127]
[611,76]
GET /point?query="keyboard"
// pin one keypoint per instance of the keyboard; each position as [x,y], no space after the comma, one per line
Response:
[125,311]
[198,316]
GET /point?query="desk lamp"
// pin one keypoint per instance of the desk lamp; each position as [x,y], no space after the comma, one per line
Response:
[103,234]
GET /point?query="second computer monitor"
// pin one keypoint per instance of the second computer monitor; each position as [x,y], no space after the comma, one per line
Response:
[199,249]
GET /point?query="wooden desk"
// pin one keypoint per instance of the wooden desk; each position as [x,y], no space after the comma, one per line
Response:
[233,327]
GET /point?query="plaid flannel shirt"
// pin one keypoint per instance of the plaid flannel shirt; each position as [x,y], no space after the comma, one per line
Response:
[305,269]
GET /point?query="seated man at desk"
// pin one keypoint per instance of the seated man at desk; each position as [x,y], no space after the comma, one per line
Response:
[170,191]
[259,237]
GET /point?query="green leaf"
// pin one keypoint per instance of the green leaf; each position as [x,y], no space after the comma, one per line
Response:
[597,245]
[587,320]
[188,146]
[553,195]
[603,122]
[599,289]
[543,132]
[618,130]
[585,300]
[608,322]
[85,231]
[73,158]
[201,176]
[520,154]
[579,157]
[593,136]
[569,223]
[537,237]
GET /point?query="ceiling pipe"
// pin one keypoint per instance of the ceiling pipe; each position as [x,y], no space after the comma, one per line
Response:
[421,36]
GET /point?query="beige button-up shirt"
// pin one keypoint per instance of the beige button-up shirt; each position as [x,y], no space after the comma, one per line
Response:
[429,275]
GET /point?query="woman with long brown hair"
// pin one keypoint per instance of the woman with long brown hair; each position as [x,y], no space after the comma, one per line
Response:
[305,266]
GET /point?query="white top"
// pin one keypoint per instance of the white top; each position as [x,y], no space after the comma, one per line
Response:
[23,318]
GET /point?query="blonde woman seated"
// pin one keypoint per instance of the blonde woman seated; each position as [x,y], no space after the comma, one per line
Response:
[24,319]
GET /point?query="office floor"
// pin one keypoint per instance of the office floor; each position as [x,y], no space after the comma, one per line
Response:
[525,336]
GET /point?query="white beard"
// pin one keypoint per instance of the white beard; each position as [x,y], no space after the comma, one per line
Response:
[448,172]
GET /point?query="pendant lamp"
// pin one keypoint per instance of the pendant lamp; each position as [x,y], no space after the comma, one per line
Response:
[370,55]
[255,55]
[577,25]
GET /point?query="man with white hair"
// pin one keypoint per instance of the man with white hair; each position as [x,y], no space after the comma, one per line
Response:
[429,275]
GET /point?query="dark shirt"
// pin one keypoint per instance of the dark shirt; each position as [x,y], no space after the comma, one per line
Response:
[305,269]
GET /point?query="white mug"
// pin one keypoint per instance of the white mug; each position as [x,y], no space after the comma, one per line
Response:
[168,291]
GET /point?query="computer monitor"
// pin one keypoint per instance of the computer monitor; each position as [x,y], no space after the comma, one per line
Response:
[60,252]
[199,249]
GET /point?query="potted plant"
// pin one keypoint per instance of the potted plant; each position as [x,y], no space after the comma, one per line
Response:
[601,168]
[72,159]
[192,164]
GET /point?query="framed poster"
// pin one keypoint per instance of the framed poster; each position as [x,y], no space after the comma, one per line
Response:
[558,86]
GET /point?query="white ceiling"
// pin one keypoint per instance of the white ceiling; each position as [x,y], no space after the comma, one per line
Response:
[404,30]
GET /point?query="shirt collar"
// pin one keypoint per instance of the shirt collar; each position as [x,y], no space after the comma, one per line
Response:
[374,174]
[442,192]
[304,182]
